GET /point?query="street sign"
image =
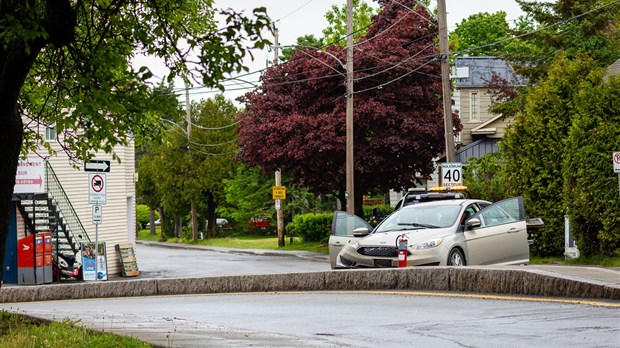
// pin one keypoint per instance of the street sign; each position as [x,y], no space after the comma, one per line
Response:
[30,176]
[616,158]
[278,192]
[96,188]
[97,214]
[97,166]
[452,174]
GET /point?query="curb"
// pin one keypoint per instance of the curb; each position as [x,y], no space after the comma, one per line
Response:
[446,279]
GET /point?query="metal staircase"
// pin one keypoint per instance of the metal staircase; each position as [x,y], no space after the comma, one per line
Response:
[52,211]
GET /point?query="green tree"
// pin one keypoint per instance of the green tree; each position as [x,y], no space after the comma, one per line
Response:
[590,186]
[213,148]
[336,31]
[67,63]
[488,34]
[248,194]
[567,27]
[484,177]
[303,42]
[534,149]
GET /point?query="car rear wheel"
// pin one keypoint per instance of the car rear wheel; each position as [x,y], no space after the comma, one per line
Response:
[456,258]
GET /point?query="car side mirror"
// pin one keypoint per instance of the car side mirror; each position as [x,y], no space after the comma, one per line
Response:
[360,232]
[472,223]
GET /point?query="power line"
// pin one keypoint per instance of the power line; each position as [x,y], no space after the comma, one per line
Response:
[537,30]
[295,10]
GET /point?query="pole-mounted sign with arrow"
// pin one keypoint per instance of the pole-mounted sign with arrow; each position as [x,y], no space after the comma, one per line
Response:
[97,166]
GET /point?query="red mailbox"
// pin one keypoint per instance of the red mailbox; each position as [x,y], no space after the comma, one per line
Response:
[47,257]
[30,260]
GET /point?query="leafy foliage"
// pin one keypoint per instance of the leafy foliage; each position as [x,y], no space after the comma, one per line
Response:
[567,27]
[296,120]
[534,149]
[590,186]
[478,34]
[336,31]
[142,215]
[312,227]
[183,170]
[484,177]
[66,63]
[303,42]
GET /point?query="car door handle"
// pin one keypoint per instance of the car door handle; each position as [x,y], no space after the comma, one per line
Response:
[514,230]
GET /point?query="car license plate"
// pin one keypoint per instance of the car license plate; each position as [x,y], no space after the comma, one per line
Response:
[383,263]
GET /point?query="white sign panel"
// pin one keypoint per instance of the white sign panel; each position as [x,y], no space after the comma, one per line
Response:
[30,176]
[452,174]
[616,158]
[96,188]
[97,214]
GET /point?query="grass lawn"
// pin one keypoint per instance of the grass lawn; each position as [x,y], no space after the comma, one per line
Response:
[17,331]
[242,242]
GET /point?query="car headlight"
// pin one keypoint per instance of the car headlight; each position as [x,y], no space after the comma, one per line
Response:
[428,244]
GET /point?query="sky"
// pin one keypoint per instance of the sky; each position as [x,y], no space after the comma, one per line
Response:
[296,18]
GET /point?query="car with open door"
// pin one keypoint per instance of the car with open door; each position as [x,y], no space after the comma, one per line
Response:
[453,232]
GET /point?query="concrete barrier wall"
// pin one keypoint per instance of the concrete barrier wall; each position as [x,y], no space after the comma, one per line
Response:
[445,279]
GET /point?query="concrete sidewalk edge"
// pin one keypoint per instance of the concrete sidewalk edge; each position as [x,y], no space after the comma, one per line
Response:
[482,280]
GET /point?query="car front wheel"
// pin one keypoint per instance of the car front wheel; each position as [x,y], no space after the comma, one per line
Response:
[456,258]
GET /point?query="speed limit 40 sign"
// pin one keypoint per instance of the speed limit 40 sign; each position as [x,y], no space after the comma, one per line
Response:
[452,174]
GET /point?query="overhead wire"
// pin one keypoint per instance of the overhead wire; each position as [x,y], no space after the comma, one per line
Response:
[371,55]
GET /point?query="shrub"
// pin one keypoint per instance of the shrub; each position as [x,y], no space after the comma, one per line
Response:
[384,210]
[142,215]
[312,227]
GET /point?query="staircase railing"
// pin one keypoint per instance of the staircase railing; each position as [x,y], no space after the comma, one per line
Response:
[70,217]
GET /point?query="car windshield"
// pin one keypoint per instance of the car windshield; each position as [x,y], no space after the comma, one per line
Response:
[420,216]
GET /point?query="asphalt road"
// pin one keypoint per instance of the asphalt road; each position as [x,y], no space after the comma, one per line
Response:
[341,319]
[327,319]
[184,261]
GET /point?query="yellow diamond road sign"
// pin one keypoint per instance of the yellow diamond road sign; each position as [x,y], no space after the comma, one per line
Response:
[278,192]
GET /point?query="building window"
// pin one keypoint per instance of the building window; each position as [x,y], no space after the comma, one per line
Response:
[50,133]
[474,106]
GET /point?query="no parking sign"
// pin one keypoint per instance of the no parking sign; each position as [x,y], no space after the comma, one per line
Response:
[96,188]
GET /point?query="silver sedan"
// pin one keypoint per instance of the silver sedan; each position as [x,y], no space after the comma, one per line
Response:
[454,232]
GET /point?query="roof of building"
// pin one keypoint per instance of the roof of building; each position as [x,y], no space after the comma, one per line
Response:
[476,72]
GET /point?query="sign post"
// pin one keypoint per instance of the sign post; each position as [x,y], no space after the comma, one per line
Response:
[616,160]
[97,187]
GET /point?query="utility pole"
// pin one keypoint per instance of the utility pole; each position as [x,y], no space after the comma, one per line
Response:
[350,167]
[279,205]
[188,117]
[445,79]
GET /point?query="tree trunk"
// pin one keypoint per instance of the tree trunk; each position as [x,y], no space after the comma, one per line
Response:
[15,63]
[211,225]
[194,222]
[10,141]
[342,199]
[162,224]
[359,205]
[152,221]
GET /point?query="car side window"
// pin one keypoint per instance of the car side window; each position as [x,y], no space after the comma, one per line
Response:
[345,223]
[469,211]
[506,211]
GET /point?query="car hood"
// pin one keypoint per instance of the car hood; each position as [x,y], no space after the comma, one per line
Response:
[413,236]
